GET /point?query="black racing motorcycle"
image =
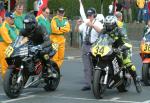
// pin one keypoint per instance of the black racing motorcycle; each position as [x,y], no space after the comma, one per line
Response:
[108,69]
[26,69]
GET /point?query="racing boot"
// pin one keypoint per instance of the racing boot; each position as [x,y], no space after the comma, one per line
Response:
[136,79]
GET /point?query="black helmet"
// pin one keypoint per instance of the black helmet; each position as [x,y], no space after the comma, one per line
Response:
[91,11]
[30,23]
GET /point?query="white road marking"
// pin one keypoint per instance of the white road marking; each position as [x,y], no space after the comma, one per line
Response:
[23,94]
[27,93]
[21,98]
[115,100]
[147,101]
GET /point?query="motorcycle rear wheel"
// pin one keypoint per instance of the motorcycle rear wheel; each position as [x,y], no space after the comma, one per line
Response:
[10,85]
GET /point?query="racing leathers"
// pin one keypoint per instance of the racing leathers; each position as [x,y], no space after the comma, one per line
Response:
[120,41]
[40,39]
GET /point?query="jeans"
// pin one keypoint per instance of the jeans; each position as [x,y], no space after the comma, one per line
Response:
[140,14]
[127,14]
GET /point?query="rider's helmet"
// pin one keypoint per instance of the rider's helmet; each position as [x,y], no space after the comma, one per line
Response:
[30,23]
[91,11]
[110,22]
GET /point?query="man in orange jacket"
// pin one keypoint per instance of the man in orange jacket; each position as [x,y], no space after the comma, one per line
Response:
[7,35]
[59,26]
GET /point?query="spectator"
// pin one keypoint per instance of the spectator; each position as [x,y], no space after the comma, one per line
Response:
[127,11]
[36,7]
[43,19]
[7,35]
[117,6]
[19,16]
[140,5]
[148,9]
[2,9]
[12,4]
[60,26]
[114,6]
[120,22]
[90,32]
[146,30]
[1,21]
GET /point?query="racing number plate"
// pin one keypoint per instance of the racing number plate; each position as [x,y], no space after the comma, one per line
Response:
[9,51]
[99,50]
[146,47]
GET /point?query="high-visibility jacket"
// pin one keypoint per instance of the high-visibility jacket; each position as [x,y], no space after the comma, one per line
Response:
[44,22]
[7,33]
[18,21]
[60,26]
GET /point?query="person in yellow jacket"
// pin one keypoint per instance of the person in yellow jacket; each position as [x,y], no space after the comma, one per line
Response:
[140,4]
[7,35]
[59,25]
[1,21]
[120,22]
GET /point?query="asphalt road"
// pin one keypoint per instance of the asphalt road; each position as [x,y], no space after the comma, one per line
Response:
[69,90]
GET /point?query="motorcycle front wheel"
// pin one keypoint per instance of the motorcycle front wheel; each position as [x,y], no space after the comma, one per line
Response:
[146,74]
[11,87]
[97,87]
[52,83]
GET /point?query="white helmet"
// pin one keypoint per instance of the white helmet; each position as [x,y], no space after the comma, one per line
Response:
[100,18]
[110,22]
[110,19]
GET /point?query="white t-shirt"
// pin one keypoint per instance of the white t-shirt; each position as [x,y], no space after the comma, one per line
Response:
[94,35]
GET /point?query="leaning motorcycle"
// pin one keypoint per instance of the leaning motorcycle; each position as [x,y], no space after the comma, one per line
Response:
[27,69]
[108,69]
[145,55]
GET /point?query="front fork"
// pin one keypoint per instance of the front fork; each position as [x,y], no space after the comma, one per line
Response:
[106,75]
[20,77]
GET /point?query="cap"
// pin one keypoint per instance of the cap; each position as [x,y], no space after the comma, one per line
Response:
[10,15]
[91,11]
[61,10]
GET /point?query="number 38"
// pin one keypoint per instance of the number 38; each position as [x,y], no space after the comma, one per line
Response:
[147,47]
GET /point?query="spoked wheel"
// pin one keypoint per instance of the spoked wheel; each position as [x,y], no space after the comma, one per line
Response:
[11,87]
[146,74]
[52,82]
[97,87]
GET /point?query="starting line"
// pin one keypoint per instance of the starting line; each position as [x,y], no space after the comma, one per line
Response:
[115,100]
